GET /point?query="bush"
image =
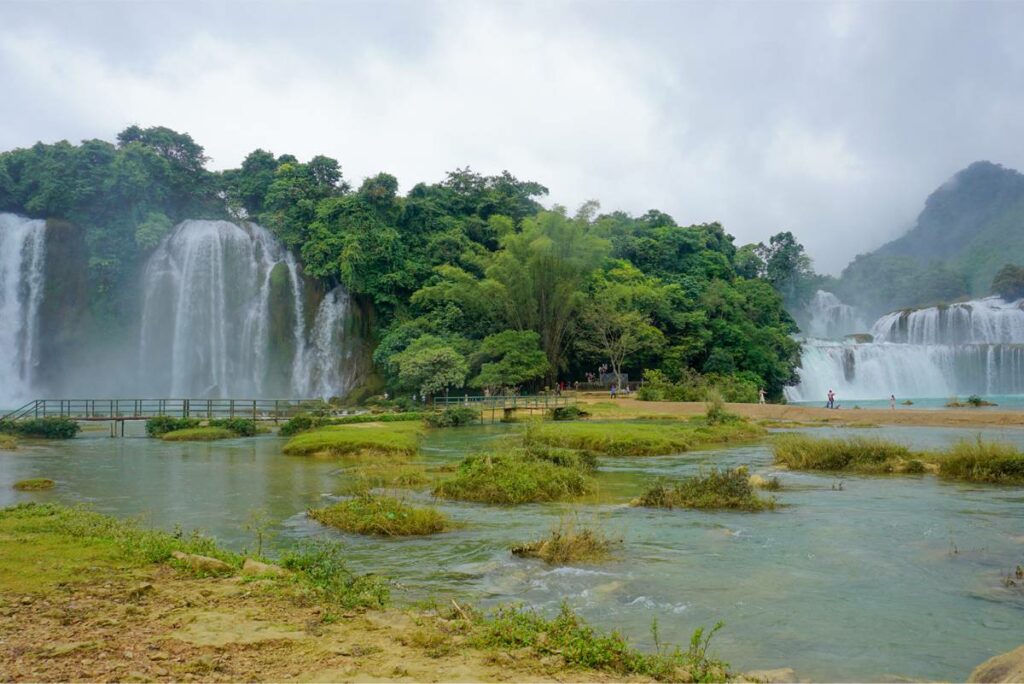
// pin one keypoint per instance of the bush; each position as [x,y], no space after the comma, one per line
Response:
[45,428]
[161,425]
[981,461]
[342,440]
[513,477]
[860,454]
[567,543]
[323,565]
[453,416]
[570,412]
[715,413]
[384,516]
[199,434]
[242,427]
[692,386]
[728,489]
[8,441]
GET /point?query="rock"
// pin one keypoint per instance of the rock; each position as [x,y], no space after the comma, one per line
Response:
[780,675]
[255,567]
[202,563]
[1008,667]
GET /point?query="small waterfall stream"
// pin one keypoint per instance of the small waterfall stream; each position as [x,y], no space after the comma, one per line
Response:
[22,261]
[974,347]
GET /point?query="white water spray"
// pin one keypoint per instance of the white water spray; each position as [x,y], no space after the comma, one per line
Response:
[22,260]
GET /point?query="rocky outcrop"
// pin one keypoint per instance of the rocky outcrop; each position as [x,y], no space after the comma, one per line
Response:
[1007,667]
[255,567]
[202,563]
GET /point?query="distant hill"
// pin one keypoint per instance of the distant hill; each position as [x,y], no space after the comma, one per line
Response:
[970,227]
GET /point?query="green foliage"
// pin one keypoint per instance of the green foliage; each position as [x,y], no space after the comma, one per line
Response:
[1009,282]
[242,427]
[453,416]
[322,564]
[513,627]
[305,421]
[151,231]
[8,441]
[45,428]
[715,413]
[509,359]
[859,454]
[161,425]
[570,412]
[717,489]
[692,386]
[198,434]
[383,516]
[34,484]
[648,438]
[513,476]
[430,366]
[981,461]
[343,440]
[569,542]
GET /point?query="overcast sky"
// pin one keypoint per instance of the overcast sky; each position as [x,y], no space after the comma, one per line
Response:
[833,120]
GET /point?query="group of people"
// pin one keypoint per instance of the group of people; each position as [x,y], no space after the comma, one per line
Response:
[831,403]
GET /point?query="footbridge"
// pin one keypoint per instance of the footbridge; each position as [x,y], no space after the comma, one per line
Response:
[144,409]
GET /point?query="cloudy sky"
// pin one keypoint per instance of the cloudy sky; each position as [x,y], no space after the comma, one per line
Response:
[834,120]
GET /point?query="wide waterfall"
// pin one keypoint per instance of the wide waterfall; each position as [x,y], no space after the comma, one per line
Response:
[974,347]
[22,259]
[829,318]
[224,316]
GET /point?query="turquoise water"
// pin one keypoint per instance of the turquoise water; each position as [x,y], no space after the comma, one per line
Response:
[1003,402]
[887,577]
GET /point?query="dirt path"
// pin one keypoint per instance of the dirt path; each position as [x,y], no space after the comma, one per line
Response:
[604,407]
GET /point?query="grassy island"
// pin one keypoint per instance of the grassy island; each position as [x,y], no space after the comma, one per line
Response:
[384,516]
[391,439]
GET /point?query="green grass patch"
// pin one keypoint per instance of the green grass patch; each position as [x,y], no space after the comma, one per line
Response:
[9,442]
[158,426]
[34,484]
[42,428]
[569,542]
[580,645]
[857,454]
[242,427]
[513,476]
[395,439]
[199,434]
[717,489]
[386,474]
[306,421]
[642,438]
[980,461]
[384,516]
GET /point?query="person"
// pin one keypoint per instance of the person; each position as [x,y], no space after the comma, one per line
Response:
[611,390]
[760,396]
[892,402]
[831,400]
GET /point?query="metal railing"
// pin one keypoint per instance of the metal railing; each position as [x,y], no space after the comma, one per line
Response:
[140,409]
[534,401]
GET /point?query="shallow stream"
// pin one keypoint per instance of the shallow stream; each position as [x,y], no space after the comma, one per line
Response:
[886,577]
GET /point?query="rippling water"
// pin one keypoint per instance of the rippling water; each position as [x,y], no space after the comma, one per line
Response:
[888,577]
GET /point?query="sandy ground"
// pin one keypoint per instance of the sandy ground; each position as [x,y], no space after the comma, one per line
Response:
[604,407]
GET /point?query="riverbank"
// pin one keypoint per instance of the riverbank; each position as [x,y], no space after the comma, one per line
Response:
[603,407]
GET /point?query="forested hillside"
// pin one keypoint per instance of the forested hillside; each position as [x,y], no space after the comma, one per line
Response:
[470,280]
[969,229]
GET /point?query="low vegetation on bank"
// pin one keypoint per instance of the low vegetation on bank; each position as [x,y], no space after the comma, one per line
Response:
[309,421]
[52,427]
[647,438]
[9,442]
[453,416]
[570,542]
[714,490]
[980,461]
[386,474]
[174,429]
[397,439]
[34,484]
[380,515]
[514,476]
[198,434]
[973,401]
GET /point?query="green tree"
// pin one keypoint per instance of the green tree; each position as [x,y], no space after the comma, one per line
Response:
[151,231]
[431,366]
[1009,282]
[787,267]
[509,359]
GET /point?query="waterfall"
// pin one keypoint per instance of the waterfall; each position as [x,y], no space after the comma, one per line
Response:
[210,299]
[831,319]
[974,347]
[22,258]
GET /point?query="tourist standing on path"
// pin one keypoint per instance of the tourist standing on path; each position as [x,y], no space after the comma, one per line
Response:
[760,396]
[892,402]
[831,400]
[611,391]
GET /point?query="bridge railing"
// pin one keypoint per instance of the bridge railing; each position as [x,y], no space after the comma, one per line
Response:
[137,409]
[533,401]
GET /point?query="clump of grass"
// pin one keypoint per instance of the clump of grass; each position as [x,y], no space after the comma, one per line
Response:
[569,542]
[385,475]
[646,438]
[513,476]
[981,461]
[9,442]
[309,421]
[384,516]
[199,434]
[453,416]
[34,484]
[161,425]
[858,454]
[715,413]
[769,484]
[242,427]
[580,645]
[973,401]
[367,439]
[570,412]
[717,489]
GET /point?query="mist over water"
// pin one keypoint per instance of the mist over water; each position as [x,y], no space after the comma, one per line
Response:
[974,347]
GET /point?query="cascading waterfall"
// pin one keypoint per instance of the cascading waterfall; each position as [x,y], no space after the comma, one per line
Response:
[830,318]
[212,293]
[22,260]
[974,347]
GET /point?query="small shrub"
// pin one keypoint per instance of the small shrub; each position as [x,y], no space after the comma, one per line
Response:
[44,428]
[728,489]
[323,565]
[513,477]
[199,434]
[161,425]
[34,484]
[981,461]
[384,516]
[570,412]
[242,427]
[715,413]
[453,416]
[567,543]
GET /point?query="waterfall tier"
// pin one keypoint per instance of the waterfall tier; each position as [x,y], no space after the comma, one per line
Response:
[829,318]
[22,260]
[983,321]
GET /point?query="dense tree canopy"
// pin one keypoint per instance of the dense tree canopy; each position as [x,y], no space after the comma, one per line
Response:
[471,280]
